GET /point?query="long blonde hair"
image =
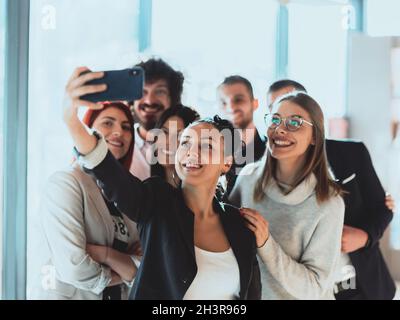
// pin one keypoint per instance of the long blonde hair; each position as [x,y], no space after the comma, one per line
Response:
[316,160]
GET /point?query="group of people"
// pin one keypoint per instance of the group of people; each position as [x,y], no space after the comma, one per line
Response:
[162,204]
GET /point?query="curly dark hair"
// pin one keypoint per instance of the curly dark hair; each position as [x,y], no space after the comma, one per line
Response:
[158,69]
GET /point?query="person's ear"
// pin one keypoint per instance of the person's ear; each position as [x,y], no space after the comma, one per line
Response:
[256,104]
[227,165]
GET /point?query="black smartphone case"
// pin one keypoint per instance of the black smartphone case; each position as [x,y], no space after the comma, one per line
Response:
[122,85]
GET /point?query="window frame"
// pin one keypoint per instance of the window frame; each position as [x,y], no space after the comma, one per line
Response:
[15,149]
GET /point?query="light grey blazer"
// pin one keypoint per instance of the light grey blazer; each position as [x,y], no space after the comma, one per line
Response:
[72,214]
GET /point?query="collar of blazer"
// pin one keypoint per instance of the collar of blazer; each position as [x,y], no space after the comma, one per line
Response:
[230,223]
[345,180]
[95,194]
[349,178]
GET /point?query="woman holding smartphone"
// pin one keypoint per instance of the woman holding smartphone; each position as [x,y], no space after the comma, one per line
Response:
[194,247]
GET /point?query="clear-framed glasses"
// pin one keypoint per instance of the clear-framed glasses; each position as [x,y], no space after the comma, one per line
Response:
[292,123]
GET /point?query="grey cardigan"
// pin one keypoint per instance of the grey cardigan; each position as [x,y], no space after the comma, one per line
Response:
[72,214]
[301,257]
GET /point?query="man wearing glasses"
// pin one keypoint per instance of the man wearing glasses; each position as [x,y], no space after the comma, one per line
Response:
[368,211]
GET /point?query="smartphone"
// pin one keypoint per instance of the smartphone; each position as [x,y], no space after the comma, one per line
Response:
[122,85]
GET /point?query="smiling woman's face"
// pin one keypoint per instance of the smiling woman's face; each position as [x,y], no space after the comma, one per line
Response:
[200,155]
[167,143]
[284,144]
[113,124]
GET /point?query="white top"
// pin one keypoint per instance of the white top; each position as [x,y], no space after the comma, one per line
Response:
[140,166]
[217,277]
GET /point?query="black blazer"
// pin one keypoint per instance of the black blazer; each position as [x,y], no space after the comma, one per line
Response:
[365,209]
[258,145]
[166,227]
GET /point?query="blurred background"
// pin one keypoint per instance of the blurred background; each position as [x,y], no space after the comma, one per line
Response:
[345,52]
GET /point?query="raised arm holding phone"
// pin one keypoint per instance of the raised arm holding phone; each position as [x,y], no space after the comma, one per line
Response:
[217,257]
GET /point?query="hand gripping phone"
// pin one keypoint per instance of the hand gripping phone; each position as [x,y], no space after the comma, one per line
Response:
[122,85]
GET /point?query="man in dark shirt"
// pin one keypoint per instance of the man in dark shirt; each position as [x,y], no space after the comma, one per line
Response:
[237,103]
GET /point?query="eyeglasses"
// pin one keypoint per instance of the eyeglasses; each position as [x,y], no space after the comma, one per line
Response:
[292,123]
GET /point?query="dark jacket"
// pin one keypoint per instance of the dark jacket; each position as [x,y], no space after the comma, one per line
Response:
[366,210]
[166,228]
[251,153]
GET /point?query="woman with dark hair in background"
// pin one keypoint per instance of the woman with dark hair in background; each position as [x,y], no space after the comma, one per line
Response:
[172,122]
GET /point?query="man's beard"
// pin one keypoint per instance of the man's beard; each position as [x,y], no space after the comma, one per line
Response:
[244,123]
[149,124]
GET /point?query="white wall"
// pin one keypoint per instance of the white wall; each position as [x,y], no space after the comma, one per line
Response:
[209,40]
[382,17]
[65,34]
[370,111]
[370,96]
[2,67]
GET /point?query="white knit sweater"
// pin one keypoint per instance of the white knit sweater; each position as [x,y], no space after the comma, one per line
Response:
[301,256]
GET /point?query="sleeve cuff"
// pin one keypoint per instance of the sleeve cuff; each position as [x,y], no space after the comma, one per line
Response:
[129,284]
[94,158]
[136,261]
[267,251]
[104,281]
